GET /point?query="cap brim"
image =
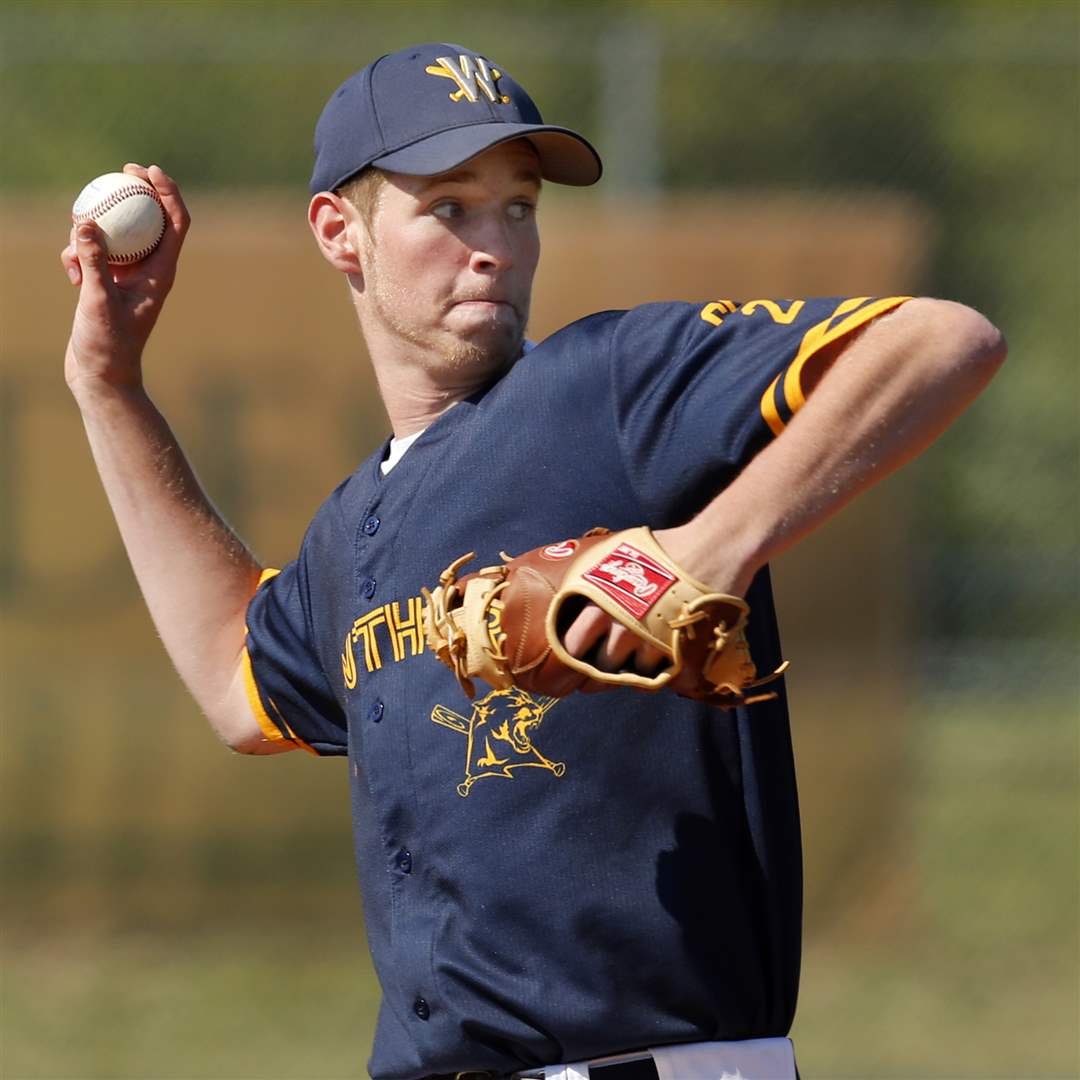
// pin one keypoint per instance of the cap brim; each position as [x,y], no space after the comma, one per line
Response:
[565,157]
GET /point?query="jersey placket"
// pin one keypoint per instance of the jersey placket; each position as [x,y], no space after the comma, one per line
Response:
[378,712]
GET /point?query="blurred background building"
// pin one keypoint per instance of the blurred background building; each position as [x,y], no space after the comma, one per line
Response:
[171,910]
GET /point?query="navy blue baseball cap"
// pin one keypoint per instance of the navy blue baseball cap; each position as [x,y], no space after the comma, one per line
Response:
[426,109]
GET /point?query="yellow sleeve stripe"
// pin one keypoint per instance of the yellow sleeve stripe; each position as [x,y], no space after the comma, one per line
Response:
[816,338]
[768,408]
[857,312]
[266,725]
[269,728]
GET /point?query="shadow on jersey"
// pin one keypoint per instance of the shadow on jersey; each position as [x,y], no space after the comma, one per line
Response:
[500,731]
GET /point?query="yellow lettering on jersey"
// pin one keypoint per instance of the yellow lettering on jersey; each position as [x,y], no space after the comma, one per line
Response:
[406,629]
[472,78]
[348,662]
[494,625]
[714,313]
[785,318]
[364,627]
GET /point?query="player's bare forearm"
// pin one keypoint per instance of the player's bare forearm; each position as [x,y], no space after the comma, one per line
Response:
[195,574]
[886,397]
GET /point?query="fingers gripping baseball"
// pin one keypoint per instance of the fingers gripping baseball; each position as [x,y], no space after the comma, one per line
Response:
[106,340]
[120,304]
[163,259]
[98,285]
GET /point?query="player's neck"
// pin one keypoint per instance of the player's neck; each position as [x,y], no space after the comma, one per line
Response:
[413,399]
[417,389]
[409,414]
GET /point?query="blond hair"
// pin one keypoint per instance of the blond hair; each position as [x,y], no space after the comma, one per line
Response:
[363,191]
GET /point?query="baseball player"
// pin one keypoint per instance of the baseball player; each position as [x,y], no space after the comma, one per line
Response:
[559,884]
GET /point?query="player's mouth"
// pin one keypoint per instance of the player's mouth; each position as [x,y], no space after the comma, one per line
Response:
[484,303]
[485,313]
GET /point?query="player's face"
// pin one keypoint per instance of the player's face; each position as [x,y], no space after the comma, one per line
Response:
[450,267]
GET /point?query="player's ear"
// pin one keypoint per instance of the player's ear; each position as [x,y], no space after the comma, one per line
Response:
[329,216]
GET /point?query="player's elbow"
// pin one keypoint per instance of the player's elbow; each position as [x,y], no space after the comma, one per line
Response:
[238,732]
[233,721]
[971,347]
[255,745]
[244,736]
[237,737]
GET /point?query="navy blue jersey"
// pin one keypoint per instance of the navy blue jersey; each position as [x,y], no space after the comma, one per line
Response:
[553,880]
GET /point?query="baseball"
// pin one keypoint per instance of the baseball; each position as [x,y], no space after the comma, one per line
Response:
[128,211]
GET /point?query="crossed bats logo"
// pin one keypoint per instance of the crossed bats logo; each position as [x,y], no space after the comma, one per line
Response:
[500,732]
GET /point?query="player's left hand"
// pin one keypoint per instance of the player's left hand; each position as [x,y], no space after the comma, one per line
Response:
[636,619]
[610,646]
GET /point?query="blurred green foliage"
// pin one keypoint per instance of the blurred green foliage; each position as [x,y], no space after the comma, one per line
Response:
[969,106]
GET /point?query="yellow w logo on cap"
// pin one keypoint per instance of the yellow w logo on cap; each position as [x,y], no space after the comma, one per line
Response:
[472,76]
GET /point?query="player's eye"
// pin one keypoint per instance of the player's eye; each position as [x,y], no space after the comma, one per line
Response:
[521,210]
[447,210]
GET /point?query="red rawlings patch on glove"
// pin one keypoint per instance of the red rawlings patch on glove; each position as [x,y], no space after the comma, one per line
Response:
[633,580]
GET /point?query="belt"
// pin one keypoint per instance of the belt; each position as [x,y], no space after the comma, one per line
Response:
[771,1058]
[640,1069]
[645,1069]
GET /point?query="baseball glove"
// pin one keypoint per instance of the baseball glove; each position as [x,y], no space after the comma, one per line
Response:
[505,624]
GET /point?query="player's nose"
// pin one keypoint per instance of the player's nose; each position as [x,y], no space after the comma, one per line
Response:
[492,248]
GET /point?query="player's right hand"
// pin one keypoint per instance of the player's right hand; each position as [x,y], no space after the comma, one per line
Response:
[119,305]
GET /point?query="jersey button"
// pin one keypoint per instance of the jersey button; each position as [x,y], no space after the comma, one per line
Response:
[404,861]
[369,587]
[371,525]
[421,1008]
[375,713]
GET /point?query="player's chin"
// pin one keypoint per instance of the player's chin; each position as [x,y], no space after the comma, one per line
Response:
[492,344]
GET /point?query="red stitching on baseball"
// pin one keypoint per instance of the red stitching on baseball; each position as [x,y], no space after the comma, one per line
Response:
[115,199]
